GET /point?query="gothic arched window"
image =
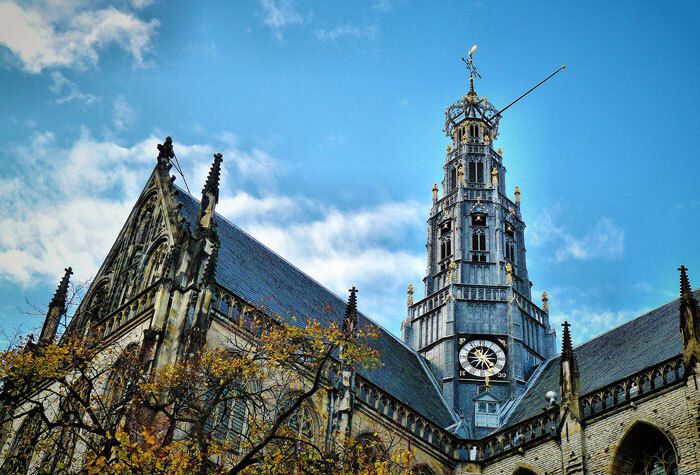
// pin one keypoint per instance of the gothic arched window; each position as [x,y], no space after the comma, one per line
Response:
[475,172]
[154,267]
[21,451]
[445,248]
[302,422]
[524,471]
[478,240]
[478,219]
[509,250]
[117,392]
[423,469]
[368,450]
[645,450]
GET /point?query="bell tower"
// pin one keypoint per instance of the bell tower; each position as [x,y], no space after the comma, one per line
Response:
[476,323]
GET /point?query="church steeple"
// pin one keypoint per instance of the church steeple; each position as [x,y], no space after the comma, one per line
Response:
[476,321]
[57,307]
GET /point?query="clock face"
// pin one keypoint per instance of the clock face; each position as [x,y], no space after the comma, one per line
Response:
[482,358]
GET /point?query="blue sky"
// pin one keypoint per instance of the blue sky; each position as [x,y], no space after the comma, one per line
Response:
[329,115]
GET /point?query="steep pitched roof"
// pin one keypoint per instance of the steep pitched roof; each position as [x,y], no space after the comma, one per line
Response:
[249,269]
[640,343]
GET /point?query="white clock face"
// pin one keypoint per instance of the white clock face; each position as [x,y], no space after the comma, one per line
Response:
[482,358]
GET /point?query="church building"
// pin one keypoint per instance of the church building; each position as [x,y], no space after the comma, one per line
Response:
[475,383]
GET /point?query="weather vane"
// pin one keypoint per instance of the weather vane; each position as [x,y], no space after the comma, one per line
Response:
[470,64]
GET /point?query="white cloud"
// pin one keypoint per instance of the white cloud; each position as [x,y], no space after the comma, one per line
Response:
[354,247]
[605,240]
[68,91]
[368,32]
[383,6]
[278,15]
[123,115]
[51,34]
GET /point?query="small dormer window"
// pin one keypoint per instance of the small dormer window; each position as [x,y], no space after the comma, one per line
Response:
[486,413]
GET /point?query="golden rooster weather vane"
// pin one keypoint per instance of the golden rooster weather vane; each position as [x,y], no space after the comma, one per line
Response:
[470,64]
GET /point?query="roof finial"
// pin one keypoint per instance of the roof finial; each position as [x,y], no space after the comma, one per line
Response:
[567,349]
[685,282]
[165,151]
[212,183]
[435,193]
[409,295]
[61,294]
[350,320]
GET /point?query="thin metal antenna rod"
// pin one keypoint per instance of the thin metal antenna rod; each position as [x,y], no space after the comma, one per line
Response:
[563,66]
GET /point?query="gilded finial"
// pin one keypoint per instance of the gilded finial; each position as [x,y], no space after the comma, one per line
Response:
[409,295]
[449,148]
[487,139]
[494,177]
[500,151]
[517,195]
[435,193]
[545,301]
[453,271]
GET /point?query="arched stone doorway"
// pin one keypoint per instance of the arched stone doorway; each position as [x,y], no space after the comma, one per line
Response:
[645,450]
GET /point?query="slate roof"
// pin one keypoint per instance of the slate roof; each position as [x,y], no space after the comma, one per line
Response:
[249,269]
[638,344]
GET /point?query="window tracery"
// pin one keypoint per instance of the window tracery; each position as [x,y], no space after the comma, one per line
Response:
[645,450]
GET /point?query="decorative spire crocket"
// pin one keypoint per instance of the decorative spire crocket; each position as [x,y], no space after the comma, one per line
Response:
[210,194]
[350,319]
[689,322]
[569,376]
[57,307]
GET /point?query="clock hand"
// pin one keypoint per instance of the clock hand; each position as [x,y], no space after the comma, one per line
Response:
[483,358]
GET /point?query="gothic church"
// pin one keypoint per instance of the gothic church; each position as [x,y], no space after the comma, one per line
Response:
[475,384]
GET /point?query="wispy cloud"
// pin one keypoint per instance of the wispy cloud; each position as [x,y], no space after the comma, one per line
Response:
[279,15]
[45,35]
[123,115]
[68,91]
[383,6]
[368,32]
[586,312]
[604,240]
